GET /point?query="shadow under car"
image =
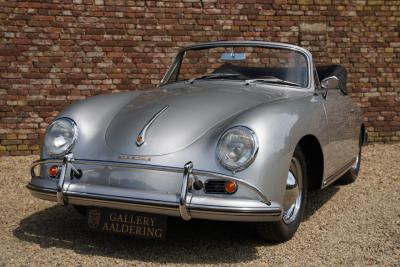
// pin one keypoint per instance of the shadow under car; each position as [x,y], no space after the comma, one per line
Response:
[195,241]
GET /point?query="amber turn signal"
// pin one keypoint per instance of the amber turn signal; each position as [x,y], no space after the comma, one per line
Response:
[230,187]
[54,171]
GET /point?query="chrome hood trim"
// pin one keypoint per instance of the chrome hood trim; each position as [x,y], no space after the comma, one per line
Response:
[141,138]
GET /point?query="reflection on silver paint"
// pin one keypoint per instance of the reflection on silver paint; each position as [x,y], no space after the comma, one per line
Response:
[193,111]
[342,129]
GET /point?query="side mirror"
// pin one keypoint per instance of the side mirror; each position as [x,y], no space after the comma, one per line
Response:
[331,82]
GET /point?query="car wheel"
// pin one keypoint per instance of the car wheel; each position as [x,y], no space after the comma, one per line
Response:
[351,175]
[294,203]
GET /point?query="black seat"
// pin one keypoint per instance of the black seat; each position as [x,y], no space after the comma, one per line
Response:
[296,76]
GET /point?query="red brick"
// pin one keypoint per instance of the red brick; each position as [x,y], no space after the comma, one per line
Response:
[56,54]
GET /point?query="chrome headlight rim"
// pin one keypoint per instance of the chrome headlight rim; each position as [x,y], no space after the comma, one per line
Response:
[71,145]
[251,159]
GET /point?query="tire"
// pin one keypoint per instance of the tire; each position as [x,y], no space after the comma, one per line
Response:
[284,229]
[351,175]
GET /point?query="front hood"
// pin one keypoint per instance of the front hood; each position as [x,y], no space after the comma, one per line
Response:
[189,112]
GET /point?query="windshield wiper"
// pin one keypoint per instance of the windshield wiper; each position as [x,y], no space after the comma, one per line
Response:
[271,79]
[214,76]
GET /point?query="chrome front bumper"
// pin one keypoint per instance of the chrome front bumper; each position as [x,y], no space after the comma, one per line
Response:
[186,205]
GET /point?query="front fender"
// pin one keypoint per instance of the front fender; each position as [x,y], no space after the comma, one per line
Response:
[280,126]
[93,116]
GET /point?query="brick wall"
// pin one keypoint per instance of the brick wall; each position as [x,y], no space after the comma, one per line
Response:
[55,52]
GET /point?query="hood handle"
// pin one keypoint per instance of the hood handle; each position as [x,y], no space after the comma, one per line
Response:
[141,138]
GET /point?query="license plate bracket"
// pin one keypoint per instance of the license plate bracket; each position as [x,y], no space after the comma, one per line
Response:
[131,223]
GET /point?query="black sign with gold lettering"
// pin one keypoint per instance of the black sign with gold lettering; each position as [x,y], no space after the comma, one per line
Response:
[127,222]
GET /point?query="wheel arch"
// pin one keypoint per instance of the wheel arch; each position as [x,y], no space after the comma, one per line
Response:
[312,151]
[363,135]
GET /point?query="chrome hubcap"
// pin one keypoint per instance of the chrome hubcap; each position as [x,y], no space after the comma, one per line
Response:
[292,198]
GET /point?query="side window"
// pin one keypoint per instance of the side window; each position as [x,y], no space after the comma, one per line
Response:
[317,83]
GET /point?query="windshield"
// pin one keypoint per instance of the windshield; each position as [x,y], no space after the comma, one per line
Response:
[242,63]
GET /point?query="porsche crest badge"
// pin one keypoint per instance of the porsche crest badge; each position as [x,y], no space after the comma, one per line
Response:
[94,218]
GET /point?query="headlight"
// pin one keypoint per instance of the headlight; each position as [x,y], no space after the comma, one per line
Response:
[237,148]
[60,137]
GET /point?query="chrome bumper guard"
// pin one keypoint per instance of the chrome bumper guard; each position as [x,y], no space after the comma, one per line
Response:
[187,181]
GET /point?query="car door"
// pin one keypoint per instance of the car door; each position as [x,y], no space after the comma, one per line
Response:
[340,116]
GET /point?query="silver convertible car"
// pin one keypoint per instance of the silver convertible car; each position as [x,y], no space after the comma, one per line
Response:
[236,131]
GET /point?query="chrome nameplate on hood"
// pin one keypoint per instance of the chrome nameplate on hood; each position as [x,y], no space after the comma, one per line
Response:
[134,157]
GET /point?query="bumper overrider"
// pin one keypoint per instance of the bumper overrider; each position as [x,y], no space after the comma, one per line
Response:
[186,204]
